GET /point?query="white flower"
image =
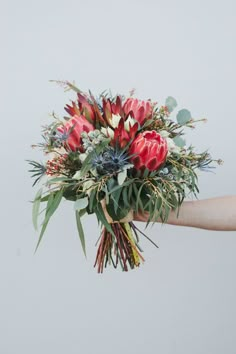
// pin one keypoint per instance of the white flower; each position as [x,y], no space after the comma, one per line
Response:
[87,186]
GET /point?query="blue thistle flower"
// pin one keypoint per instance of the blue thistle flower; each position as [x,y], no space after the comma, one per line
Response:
[59,138]
[110,161]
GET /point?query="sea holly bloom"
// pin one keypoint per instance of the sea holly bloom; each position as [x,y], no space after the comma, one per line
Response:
[73,128]
[138,109]
[111,160]
[149,150]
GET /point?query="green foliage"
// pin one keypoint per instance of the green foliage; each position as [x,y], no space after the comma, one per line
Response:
[81,203]
[183,116]
[38,170]
[179,141]
[35,209]
[102,218]
[52,204]
[171,103]
[80,230]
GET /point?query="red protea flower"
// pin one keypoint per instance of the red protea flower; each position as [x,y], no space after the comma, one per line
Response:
[83,107]
[139,110]
[122,136]
[149,149]
[86,108]
[72,110]
[110,108]
[72,130]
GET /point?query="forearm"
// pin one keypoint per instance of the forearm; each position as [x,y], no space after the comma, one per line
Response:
[212,214]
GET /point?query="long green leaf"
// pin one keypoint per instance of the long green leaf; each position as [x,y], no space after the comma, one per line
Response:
[120,187]
[81,231]
[52,204]
[35,209]
[101,217]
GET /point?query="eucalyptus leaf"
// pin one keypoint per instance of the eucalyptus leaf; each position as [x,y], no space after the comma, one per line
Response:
[171,103]
[81,203]
[77,175]
[180,142]
[121,177]
[183,116]
[129,165]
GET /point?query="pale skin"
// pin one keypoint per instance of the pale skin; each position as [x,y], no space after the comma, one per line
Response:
[217,214]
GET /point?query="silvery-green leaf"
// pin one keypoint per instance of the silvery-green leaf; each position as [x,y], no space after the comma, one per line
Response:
[77,175]
[180,142]
[183,116]
[171,103]
[164,133]
[94,172]
[81,203]
[128,166]
[82,157]
[87,186]
[121,177]
[106,193]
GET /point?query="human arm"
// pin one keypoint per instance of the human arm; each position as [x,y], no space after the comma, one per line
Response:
[212,214]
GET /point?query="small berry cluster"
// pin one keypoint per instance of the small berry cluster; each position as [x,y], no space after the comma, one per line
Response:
[56,166]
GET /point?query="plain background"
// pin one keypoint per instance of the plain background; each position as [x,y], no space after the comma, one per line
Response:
[182,300]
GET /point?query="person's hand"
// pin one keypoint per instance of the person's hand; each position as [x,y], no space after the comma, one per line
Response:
[128,218]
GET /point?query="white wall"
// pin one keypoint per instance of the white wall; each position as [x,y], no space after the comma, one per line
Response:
[183,299]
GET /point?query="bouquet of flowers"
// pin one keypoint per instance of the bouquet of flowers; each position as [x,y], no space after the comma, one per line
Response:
[115,156]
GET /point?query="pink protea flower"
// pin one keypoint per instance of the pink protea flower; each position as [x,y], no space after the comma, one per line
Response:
[72,130]
[137,109]
[149,149]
